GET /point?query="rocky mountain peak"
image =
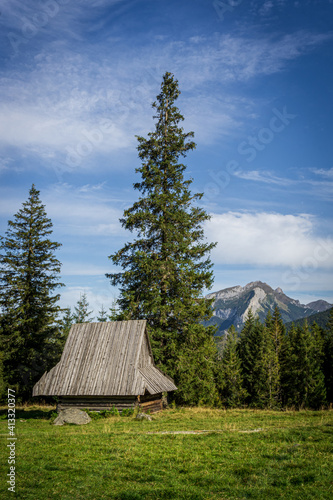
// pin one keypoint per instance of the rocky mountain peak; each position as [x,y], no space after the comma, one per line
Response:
[232,305]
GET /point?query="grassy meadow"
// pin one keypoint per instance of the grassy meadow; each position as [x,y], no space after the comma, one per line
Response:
[247,454]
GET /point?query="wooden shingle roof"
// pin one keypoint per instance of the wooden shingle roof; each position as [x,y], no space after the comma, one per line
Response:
[105,359]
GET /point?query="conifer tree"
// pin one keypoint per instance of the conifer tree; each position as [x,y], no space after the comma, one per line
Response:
[65,323]
[3,384]
[232,391]
[102,315]
[288,358]
[328,358]
[303,372]
[81,310]
[319,336]
[29,274]
[114,313]
[273,334]
[251,354]
[166,268]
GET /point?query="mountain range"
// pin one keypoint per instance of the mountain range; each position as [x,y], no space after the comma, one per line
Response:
[231,305]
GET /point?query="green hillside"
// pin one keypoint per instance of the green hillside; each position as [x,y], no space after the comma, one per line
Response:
[320,318]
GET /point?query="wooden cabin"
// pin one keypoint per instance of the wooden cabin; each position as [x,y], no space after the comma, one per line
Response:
[105,365]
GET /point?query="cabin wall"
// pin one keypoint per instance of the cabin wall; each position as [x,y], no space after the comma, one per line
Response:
[96,403]
[153,403]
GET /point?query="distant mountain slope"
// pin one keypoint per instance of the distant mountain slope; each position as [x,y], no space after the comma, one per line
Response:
[319,305]
[232,305]
[320,318]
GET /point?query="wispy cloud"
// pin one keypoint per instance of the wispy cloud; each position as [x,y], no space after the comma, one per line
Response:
[89,210]
[86,210]
[84,269]
[326,173]
[248,57]
[266,239]
[57,103]
[265,177]
[321,187]
[5,163]
[45,21]
[266,8]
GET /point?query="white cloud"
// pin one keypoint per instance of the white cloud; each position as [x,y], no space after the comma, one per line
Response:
[268,239]
[297,285]
[76,269]
[322,188]
[5,164]
[266,8]
[244,58]
[84,211]
[95,298]
[61,101]
[212,118]
[88,210]
[265,177]
[63,18]
[327,173]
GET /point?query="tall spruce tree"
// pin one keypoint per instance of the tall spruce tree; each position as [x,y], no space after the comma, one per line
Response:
[250,349]
[274,332]
[302,373]
[231,387]
[288,358]
[166,268]
[29,277]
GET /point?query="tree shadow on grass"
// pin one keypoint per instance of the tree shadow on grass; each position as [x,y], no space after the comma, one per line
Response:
[27,414]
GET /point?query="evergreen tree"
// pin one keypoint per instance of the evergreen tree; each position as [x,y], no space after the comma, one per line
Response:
[196,369]
[29,274]
[304,384]
[328,358]
[319,337]
[166,268]
[273,335]
[81,313]
[3,384]
[65,323]
[114,313]
[102,315]
[251,354]
[232,391]
[288,359]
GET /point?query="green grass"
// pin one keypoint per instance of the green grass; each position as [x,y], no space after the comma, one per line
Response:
[290,456]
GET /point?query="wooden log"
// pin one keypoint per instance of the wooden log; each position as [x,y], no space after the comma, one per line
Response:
[95,404]
[152,406]
[151,403]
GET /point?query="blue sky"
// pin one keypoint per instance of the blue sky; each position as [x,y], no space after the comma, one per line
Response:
[77,82]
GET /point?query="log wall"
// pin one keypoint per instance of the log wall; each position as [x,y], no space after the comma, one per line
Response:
[97,403]
[152,403]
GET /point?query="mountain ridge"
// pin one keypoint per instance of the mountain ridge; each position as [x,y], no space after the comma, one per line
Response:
[321,318]
[231,305]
